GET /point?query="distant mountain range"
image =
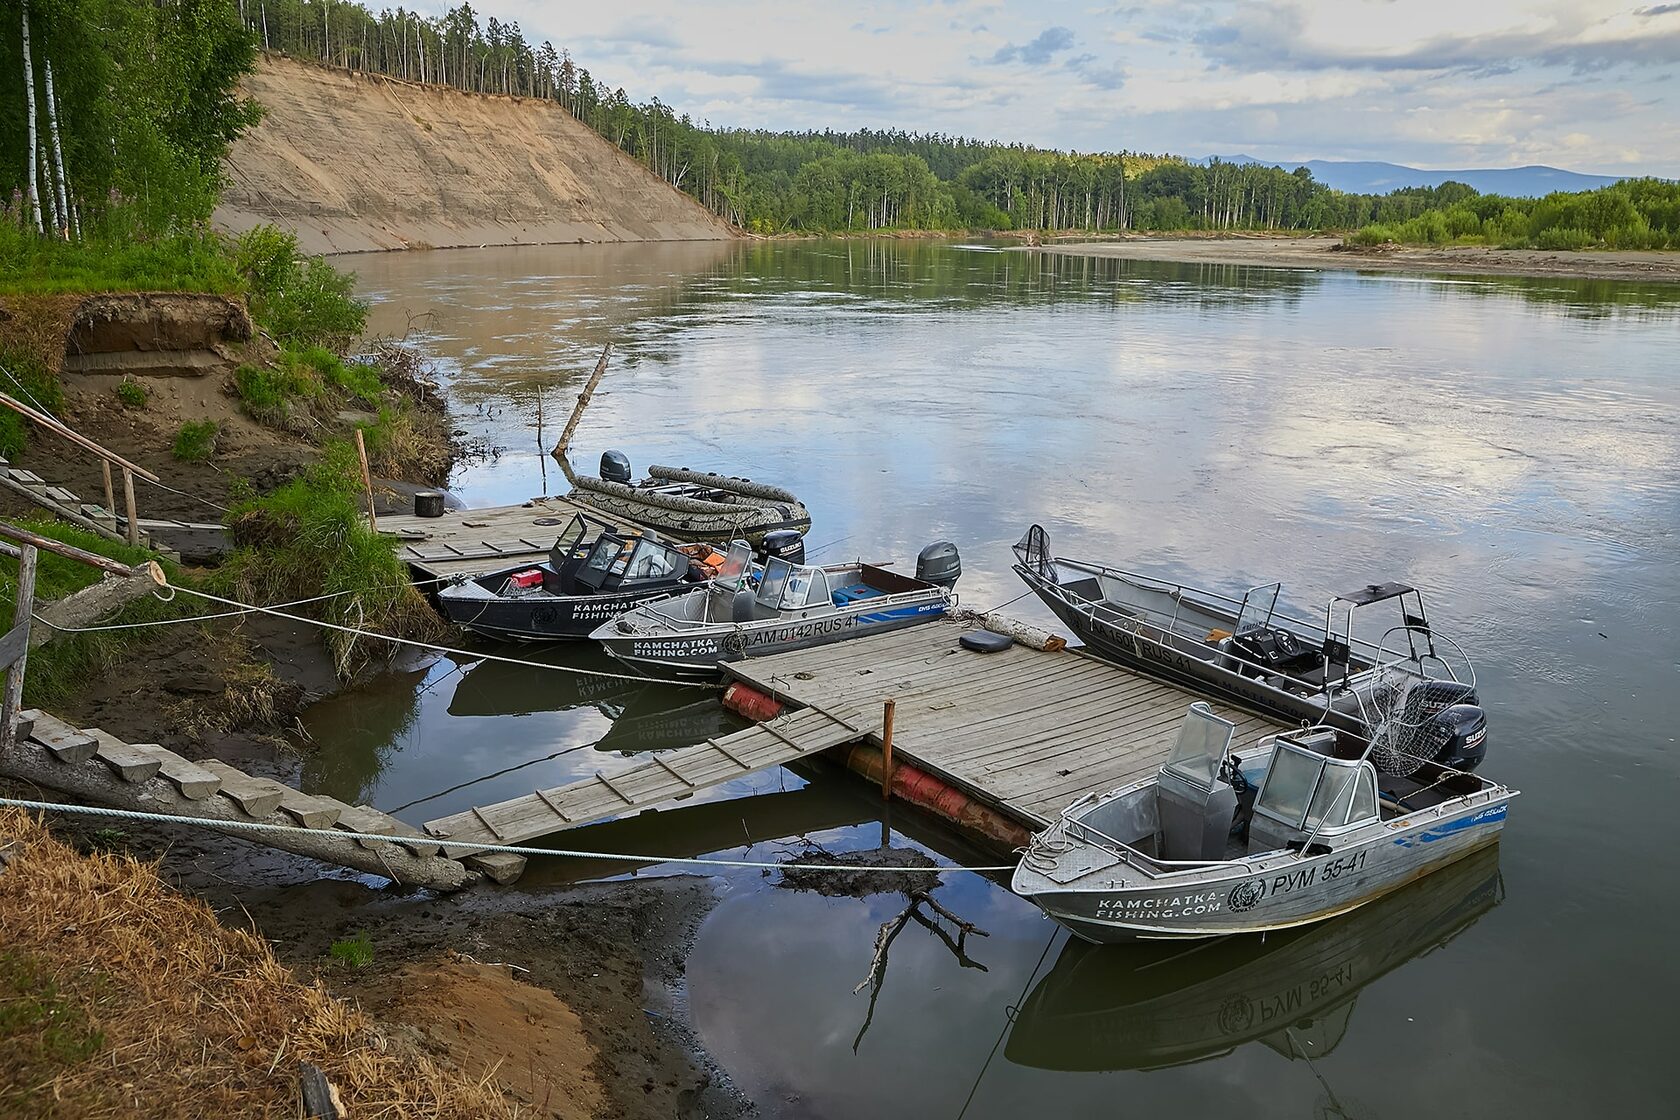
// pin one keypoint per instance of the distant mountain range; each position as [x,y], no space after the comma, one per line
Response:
[1380,178]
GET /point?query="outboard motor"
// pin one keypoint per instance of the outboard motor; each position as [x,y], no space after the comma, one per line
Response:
[1447,727]
[1457,737]
[939,564]
[789,544]
[615,467]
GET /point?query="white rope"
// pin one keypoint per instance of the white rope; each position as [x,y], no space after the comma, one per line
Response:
[358,631]
[511,849]
[178,621]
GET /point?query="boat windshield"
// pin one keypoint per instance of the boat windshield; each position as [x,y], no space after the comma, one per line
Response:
[735,563]
[774,582]
[806,587]
[571,536]
[1305,790]
[1202,741]
[603,555]
[653,559]
[1257,608]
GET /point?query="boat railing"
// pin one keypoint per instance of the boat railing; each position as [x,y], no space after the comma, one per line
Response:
[1150,866]
[1118,618]
[865,606]
[1176,591]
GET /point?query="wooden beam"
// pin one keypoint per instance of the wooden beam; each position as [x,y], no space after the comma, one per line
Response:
[71,552]
[561,448]
[75,437]
[367,480]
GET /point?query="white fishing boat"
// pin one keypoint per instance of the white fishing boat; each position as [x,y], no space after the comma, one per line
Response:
[791,606]
[1303,826]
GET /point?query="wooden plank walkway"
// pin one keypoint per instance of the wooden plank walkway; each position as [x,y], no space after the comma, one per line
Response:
[470,541]
[669,776]
[1024,731]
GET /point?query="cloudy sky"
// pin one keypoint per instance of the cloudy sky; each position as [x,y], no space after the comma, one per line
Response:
[1590,86]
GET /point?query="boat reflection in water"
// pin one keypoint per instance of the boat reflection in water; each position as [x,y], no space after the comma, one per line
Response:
[1104,1007]
[650,716]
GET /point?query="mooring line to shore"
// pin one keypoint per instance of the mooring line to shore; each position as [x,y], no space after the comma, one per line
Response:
[475,654]
[474,846]
[198,617]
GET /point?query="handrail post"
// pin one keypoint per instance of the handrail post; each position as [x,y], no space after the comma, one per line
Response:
[367,480]
[128,505]
[17,638]
[886,748]
[110,494]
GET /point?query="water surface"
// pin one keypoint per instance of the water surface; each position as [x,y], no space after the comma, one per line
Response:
[1511,446]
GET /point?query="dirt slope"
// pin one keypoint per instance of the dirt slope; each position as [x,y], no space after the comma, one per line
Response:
[356,162]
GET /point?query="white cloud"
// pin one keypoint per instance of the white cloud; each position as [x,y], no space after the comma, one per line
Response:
[1431,82]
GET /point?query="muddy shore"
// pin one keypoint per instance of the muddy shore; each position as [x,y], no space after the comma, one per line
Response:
[569,998]
[1659,266]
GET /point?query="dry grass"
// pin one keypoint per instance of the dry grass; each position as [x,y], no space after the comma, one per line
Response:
[122,997]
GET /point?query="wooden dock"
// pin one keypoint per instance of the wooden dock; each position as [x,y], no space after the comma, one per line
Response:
[470,541]
[1023,731]
[668,777]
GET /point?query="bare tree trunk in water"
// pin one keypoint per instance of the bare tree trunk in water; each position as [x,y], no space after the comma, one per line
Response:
[29,101]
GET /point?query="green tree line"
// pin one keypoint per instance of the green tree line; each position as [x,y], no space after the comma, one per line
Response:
[121,101]
[1632,214]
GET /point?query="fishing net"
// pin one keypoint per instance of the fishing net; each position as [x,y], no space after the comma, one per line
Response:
[1398,716]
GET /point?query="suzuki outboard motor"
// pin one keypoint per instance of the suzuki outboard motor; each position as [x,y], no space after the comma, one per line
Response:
[789,544]
[939,564]
[615,466]
[1457,737]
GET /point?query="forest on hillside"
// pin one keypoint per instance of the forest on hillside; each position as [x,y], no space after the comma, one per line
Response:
[777,182]
[153,130]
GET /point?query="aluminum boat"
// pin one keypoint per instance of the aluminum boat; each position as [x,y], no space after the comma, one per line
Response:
[1303,826]
[1246,649]
[791,606]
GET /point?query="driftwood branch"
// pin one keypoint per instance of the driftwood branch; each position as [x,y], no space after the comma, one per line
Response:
[561,448]
[890,930]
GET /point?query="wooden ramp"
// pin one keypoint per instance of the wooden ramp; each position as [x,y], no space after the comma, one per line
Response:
[1024,731]
[470,541]
[669,776]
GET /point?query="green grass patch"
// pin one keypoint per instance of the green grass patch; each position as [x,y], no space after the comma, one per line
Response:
[190,260]
[311,537]
[196,441]
[305,387]
[42,1030]
[24,376]
[131,393]
[57,669]
[356,952]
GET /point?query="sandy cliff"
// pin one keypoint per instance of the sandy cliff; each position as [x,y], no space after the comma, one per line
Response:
[355,162]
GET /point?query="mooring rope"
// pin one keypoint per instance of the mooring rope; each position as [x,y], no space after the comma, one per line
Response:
[474,846]
[363,632]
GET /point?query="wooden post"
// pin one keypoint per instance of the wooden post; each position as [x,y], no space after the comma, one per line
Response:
[886,748]
[15,660]
[110,495]
[128,505]
[367,480]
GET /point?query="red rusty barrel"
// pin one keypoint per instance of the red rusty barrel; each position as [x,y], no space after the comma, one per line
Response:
[750,702]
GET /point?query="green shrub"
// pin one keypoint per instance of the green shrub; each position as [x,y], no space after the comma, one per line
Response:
[196,441]
[311,537]
[1563,237]
[301,300]
[131,393]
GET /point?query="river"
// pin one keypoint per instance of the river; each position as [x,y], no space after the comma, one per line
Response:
[1510,446]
